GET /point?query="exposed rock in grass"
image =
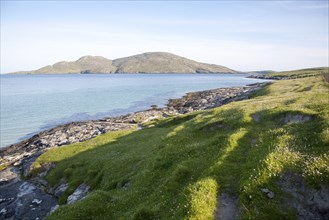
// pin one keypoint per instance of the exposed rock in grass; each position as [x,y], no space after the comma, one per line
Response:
[78,194]
[256,117]
[54,208]
[296,118]
[309,203]
[227,207]
[126,185]
[214,127]
[60,189]
[269,193]
[253,141]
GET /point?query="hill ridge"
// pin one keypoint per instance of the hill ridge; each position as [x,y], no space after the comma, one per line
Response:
[148,62]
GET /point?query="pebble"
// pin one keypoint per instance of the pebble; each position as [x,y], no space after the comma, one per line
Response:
[36,201]
[269,193]
[3,211]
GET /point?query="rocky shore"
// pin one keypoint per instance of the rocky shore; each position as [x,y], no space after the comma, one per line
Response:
[34,199]
[263,76]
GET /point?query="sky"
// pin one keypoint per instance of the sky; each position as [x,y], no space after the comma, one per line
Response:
[242,35]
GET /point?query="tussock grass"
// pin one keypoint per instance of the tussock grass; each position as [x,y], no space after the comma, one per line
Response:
[178,168]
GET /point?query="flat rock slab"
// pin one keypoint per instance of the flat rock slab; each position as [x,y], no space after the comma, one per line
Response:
[78,194]
[23,200]
[296,118]
[8,176]
[227,208]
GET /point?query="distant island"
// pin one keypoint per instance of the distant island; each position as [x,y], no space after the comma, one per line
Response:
[151,62]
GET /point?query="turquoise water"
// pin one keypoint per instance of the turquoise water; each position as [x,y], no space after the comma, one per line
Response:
[31,103]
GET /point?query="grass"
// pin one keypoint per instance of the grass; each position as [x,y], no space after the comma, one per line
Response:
[301,73]
[178,168]
[3,166]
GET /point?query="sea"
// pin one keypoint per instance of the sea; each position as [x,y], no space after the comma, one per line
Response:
[33,103]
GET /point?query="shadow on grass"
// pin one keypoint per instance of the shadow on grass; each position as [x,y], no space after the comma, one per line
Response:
[262,92]
[150,172]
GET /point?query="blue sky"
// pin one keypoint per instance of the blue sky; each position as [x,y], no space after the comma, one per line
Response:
[242,35]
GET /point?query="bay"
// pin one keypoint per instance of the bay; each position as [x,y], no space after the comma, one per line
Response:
[32,103]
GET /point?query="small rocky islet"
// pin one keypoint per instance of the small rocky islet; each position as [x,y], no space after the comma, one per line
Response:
[34,198]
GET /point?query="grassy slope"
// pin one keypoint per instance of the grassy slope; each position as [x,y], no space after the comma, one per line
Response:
[301,72]
[177,169]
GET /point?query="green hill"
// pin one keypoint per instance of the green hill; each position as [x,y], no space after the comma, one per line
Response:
[159,62]
[263,153]
[301,73]
[152,62]
[261,72]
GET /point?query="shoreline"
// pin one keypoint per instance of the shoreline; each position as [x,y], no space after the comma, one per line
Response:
[35,117]
[190,102]
[16,159]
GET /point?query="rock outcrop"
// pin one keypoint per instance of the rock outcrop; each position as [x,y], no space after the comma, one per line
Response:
[212,98]
[78,194]
[21,199]
[309,203]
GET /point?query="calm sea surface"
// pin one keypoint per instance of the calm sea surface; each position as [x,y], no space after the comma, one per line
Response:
[31,103]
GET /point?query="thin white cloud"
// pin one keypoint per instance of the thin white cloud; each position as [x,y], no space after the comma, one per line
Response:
[316,4]
[324,5]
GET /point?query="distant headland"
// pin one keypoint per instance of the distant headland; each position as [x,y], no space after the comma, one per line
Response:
[151,62]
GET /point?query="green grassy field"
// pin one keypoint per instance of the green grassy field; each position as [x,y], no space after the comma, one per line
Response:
[178,168]
[302,72]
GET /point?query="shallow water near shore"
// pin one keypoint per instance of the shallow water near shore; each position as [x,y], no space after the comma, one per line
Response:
[32,103]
